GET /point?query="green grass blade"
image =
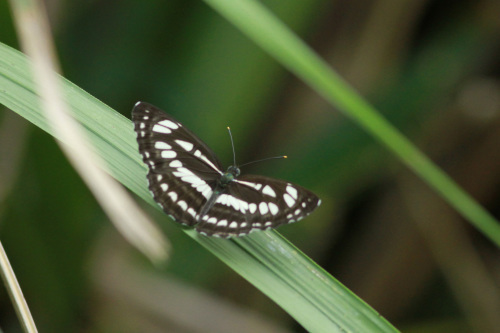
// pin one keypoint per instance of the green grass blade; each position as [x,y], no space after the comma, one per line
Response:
[315,299]
[271,35]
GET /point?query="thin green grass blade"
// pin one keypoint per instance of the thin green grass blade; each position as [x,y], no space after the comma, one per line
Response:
[309,294]
[270,34]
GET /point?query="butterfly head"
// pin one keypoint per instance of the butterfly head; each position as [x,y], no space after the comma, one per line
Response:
[231,173]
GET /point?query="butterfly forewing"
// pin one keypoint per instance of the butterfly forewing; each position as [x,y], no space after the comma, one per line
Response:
[182,169]
[185,178]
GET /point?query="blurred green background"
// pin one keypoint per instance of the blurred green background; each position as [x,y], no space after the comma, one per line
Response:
[431,67]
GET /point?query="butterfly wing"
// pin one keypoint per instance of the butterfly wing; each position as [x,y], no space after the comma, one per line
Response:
[252,202]
[183,170]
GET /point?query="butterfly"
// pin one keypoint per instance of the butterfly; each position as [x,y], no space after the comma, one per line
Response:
[188,182]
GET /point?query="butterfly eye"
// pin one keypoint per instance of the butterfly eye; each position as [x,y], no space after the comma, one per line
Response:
[234,171]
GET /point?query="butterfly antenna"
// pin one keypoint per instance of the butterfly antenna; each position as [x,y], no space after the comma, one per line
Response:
[232,145]
[265,159]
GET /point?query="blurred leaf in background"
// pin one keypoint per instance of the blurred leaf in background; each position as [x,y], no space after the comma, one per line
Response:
[432,67]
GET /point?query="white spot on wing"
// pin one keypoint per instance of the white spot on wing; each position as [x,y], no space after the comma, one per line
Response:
[193,180]
[292,191]
[161,129]
[169,124]
[269,191]
[233,225]
[182,204]
[173,196]
[212,220]
[263,208]
[289,200]
[222,199]
[237,204]
[175,164]
[273,208]
[243,206]
[252,207]
[204,158]
[222,223]
[187,176]
[249,184]
[188,146]
[205,190]
[181,172]
[168,154]
[233,202]
[162,145]
[164,187]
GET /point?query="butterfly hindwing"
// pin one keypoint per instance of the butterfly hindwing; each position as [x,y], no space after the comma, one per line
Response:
[254,203]
[183,170]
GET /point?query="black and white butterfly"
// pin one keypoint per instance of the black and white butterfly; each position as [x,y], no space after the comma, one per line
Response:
[189,183]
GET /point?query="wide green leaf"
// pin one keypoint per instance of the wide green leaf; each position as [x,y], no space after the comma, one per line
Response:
[309,294]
